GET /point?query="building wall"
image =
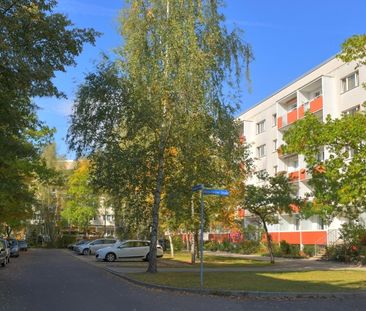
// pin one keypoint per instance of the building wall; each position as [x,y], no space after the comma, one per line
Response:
[320,91]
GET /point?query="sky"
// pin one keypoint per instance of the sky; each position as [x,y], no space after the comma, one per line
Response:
[288,38]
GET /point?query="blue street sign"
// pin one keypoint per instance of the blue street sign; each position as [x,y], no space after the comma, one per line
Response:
[197,187]
[221,192]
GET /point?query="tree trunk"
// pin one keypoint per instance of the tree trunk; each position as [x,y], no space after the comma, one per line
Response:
[269,242]
[8,231]
[152,268]
[171,245]
[187,241]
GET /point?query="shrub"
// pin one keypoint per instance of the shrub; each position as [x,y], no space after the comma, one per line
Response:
[177,243]
[249,247]
[309,250]
[294,250]
[284,247]
[212,246]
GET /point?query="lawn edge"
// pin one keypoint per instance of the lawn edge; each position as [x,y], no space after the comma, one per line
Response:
[239,293]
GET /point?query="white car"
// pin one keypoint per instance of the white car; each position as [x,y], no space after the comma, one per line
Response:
[92,246]
[129,249]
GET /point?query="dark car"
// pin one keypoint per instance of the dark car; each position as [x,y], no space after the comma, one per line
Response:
[23,246]
[6,247]
[14,247]
[3,255]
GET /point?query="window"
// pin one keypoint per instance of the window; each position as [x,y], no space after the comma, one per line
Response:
[274,119]
[297,223]
[317,94]
[261,126]
[274,145]
[350,82]
[261,151]
[292,106]
[352,111]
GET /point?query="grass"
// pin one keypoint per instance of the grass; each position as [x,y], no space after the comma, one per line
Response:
[212,261]
[309,281]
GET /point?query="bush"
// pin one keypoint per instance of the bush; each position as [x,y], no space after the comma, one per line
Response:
[294,250]
[177,243]
[309,250]
[249,247]
[211,246]
[284,247]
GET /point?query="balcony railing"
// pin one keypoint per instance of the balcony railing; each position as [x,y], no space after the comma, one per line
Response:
[299,175]
[292,116]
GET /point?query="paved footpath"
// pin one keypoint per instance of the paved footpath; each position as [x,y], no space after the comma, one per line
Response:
[56,280]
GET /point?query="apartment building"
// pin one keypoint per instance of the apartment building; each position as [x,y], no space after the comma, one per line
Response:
[332,88]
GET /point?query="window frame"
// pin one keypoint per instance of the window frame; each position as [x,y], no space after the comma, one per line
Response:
[345,82]
[260,127]
[261,154]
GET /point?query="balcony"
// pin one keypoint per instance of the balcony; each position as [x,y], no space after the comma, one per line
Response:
[294,176]
[300,175]
[291,117]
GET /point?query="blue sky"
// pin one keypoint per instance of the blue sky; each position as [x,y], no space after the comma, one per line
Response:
[288,37]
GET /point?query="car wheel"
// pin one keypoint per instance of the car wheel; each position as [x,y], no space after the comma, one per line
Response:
[110,257]
[3,263]
[86,251]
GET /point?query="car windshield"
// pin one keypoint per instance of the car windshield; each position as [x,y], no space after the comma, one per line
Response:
[22,242]
[13,242]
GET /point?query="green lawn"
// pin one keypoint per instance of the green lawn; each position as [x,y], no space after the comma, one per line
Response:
[312,281]
[212,261]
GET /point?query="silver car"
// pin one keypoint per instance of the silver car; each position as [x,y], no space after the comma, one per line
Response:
[128,250]
[92,246]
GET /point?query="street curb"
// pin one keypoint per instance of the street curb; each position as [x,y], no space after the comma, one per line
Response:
[242,294]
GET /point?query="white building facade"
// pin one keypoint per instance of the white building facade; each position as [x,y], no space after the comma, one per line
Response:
[333,88]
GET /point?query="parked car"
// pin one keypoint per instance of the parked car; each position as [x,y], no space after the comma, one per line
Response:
[3,255]
[129,249]
[72,245]
[14,247]
[92,246]
[7,249]
[23,245]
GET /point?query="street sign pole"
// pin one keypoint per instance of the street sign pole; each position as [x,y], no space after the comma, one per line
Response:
[219,192]
[201,237]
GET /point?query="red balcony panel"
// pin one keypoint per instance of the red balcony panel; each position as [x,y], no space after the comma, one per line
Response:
[289,237]
[242,139]
[274,236]
[292,116]
[314,237]
[307,237]
[301,111]
[279,122]
[294,176]
[316,104]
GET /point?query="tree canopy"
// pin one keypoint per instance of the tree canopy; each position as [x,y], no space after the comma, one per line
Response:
[172,123]
[30,31]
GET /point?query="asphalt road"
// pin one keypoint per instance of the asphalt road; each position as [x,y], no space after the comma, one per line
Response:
[53,280]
